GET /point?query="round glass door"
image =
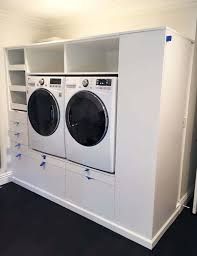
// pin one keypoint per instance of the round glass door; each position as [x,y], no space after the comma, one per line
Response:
[43,112]
[86,118]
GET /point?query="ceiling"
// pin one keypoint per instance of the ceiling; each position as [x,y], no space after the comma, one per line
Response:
[58,8]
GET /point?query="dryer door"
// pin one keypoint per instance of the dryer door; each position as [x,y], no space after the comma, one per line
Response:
[43,112]
[86,118]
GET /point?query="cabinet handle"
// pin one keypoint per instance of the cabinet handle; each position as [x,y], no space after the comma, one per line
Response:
[16,123]
[44,156]
[18,155]
[17,134]
[43,164]
[90,178]
[87,170]
[17,145]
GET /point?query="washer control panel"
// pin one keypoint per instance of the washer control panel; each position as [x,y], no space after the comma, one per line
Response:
[45,82]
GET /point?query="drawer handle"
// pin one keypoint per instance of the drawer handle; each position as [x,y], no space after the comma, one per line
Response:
[17,145]
[16,123]
[17,134]
[90,178]
[18,155]
[87,170]
[44,156]
[43,164]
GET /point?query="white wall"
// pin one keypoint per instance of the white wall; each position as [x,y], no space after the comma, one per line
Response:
[181,19]
[190,147]
[15,30]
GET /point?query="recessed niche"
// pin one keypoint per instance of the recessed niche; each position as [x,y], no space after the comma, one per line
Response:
[16,56]
[45,59]
[92,56]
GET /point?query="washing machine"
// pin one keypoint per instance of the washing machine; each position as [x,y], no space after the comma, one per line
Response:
[45,106]
[90,115]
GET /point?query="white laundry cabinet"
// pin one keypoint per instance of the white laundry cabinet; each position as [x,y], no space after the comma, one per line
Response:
[155,101]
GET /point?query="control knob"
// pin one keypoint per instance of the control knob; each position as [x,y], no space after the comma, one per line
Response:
[85,82]
[41,81]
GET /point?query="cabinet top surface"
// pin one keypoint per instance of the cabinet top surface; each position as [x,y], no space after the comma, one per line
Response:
[89,38]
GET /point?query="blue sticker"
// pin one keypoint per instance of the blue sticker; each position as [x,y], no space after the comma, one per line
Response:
[168,38]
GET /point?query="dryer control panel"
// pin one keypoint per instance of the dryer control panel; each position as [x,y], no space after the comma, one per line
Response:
[103,82]
[91,83]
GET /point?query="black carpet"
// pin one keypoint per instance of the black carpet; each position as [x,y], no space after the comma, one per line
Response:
[33,226]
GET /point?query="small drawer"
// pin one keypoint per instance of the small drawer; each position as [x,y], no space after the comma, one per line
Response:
[47,158]
[19,137]
[19,148]
[18,116]
[90,194]
[17,126]
[98,175]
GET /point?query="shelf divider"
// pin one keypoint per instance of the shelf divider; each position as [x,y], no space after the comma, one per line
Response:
[20,67]
[17,88]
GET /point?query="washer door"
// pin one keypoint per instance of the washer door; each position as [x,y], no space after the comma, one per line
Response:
[43,112]
[86,118]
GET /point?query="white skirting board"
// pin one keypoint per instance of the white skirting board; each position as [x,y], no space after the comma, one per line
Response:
[5,177]
[148,243]
[179,209]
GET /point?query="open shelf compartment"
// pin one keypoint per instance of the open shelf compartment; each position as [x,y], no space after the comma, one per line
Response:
[45,59]
[18,98]
[16,57]
[99,56]
[17,78]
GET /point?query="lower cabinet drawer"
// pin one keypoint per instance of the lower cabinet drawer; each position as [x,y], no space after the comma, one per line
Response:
[46,177]
[90,193]
[19,137]
[19,148]
[18,116]
[17,126]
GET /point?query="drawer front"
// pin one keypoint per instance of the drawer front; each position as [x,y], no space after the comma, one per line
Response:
[19,137]
[47,158]
[17,126]
[98,175]
[18,148]
[90,194]
[46,177]
[23,168]
[53,179]
[18,116]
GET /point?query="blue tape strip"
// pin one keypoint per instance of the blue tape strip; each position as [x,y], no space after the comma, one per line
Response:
[168,38]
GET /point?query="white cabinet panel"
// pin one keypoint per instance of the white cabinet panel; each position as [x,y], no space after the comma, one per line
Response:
[45,176]
[139,89]
[90,193]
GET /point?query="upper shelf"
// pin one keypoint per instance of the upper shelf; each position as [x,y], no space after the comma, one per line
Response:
[19,67]
[98,56]
[45,59]
[16,58]
[75,57]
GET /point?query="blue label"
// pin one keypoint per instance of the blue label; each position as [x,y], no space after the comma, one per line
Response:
[168,38]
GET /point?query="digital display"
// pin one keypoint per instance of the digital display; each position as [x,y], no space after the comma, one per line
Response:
[103,82]
[55,81]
